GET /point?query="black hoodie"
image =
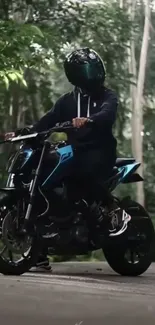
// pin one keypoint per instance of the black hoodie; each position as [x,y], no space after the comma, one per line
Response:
[100,107]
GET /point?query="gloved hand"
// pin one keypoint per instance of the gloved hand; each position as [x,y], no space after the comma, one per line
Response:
[9,135]
[22,131]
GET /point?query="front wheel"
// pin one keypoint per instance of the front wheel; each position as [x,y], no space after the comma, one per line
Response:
[131,253]
[17,254]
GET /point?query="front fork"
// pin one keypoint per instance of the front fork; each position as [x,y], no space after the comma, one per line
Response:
[10,182]
[33,187]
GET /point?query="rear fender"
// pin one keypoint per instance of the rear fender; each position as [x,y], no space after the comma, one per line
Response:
[133,178]
[127,171]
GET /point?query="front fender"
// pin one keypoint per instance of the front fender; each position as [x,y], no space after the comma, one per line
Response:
[6,196]
[9,194]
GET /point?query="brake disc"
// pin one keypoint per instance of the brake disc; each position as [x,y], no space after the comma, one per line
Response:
[16,244]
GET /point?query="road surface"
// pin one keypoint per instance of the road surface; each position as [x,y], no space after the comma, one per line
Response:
[78,293]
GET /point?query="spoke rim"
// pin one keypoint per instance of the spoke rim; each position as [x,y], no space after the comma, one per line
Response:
[5,252]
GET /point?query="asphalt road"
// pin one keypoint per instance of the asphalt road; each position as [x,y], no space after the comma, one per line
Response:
[81,294]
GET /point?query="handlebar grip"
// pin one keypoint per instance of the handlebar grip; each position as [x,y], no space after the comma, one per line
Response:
[69,123]
[65,124]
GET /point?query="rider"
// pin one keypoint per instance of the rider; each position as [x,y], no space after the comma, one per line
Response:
[90,99]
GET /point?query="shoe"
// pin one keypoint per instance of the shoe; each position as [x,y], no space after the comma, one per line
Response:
[41,266]
[119,222]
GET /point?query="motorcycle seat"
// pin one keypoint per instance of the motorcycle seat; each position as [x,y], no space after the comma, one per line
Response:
[124,161]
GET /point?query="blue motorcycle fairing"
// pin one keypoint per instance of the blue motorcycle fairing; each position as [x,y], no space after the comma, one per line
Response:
[66,154]
[19,159]
[121,175]
[127,170]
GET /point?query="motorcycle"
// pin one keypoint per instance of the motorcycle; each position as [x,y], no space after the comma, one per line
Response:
[34,214]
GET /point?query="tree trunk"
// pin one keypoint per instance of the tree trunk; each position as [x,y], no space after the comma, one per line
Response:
[138,104]
[133,71]
[121,3]
[136,91]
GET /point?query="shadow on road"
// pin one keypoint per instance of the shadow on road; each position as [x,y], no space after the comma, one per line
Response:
[92,271]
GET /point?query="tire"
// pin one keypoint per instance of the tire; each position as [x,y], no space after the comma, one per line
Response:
[18,268]
[115,251]
[8,267]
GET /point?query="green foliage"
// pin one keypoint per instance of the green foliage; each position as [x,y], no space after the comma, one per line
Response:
[18,52]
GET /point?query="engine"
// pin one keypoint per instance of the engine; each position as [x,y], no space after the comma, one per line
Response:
[71,234]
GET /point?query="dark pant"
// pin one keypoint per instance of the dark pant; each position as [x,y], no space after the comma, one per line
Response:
[95,166]
[94,163]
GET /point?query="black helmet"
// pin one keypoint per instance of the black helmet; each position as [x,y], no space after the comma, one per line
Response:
[85,69]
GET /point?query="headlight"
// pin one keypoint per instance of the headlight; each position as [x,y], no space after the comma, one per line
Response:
[18,160]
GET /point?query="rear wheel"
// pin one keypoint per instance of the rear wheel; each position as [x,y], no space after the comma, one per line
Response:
[131,253]
[17,254]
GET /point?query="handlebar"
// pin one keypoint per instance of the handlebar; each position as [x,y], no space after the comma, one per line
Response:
[62,127]
[66,126]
